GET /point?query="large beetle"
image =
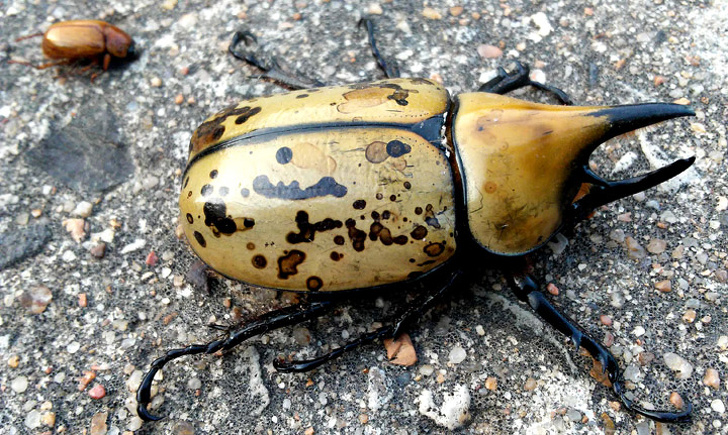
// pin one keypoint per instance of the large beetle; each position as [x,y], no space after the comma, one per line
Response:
[381,185]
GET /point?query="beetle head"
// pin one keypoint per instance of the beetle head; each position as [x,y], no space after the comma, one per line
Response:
[525,165]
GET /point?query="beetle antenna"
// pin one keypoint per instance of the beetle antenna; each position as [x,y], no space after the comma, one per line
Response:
[34,35]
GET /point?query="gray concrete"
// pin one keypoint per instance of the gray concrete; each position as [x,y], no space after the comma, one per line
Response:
[134,311]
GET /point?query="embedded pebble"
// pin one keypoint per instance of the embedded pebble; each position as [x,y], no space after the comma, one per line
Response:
[530,384]
[48,419]
[457,355]
[19,384]
[83,209]
[184,428]
[677,400]
[656,246]
[32,420]
[712,378]
[664,286]
[76,228]
[97,392]
[194,384]
[431,14]
[375,9]
[634,249]
[489,51]
[491,383]
[36,299]
[718,406]
[426,369]
[678,364]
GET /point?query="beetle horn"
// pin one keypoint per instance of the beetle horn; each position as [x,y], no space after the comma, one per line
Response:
[625,119]
[525,165]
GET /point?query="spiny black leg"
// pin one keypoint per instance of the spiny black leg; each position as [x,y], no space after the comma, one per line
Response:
[271,69]
[413,312]
[519,78]
[283,317]
[390,69]
[527,290]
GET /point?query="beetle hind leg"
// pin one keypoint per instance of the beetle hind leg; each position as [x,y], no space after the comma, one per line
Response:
[273,320]
[519,78]
[414,311]
[244,46]
[527,290]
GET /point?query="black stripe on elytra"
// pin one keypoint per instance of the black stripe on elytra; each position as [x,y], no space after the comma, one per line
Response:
[429,129]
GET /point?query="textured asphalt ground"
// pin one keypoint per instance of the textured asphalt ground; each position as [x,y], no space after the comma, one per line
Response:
[646,274]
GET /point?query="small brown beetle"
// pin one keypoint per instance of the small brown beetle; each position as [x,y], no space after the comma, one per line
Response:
[70,41]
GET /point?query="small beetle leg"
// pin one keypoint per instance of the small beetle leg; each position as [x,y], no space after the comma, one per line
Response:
[413,313]
[519,78]
[271,69]
[527,290]
[390,70]
[283,317]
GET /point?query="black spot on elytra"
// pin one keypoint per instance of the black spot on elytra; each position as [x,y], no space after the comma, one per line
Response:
[339,240]
[206,190]
[288,263]
[189,218]
[244,113]
[397,148]
[434,249]
[386,214]
[216,217]
[248,222]
[418,210]
[259,262]
[419,232]
[379,196]
[379,231]
[392,198]
[356,235]
[245,192]
[336,256]
[302,96]
[307,231]
[187,180]
[314,283]
[430,218]
[325,186]
[213,173]
[360,204]
[284,155]
[407,185]
[200,239]
[250,246]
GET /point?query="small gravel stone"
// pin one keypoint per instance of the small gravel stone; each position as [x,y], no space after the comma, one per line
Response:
[36,299]
[183,428]
[14,361]
[457,355]
[676,400]
[712,379]
[678,364]
[489,51]
[664,286]
[491,383]
[718,406]
[431,14]
[19,384]
[194,384]
[48,419]
[530,384]
[656,246]
[83,209]
[32,420]
[97,392]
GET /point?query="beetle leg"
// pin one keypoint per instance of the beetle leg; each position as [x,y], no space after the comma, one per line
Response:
[410,315]
[519,78]
[271,69]
[390,70]
[42,66]
[602,191]
[527,290]
[267,322]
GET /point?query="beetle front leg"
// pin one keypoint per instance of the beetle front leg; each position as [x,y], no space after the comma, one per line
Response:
[283,317]
[519,78]
[390,69]
[527,290]
[413,312]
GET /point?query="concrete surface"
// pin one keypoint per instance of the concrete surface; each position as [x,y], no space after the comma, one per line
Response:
[120,144]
